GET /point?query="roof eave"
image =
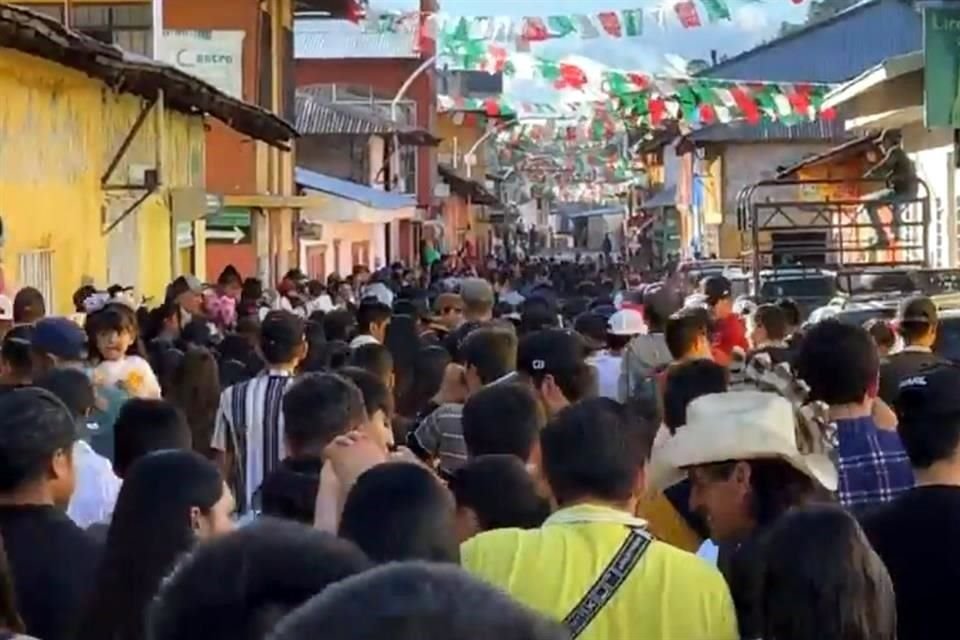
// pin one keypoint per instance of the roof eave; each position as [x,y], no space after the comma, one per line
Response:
[887,70]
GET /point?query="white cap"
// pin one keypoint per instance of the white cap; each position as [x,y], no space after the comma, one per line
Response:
[6,308]
[627,322]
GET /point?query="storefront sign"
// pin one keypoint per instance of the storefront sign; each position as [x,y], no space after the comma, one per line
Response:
[941,74]
[213,56]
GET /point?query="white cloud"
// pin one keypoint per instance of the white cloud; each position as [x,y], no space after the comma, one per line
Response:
[752,18]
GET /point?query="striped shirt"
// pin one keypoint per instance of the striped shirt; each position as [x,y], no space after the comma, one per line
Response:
[440,436]
[249,424]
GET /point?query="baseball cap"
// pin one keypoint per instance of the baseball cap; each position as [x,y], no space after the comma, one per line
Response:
[476,291]
[929,394]
[282,330]
[627,322]
[551,351]
[593,328]
[660,301]
[716,288]
[919,309]
[6,308]
[61,338]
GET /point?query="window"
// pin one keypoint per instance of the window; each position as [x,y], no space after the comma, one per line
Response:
[378,101]
[36,270]
[129,26]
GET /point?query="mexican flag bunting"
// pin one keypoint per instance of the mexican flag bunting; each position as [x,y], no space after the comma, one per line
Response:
[784,108]
[716,10]
[746,104]
[610,22]
[560,26]
[632,22]
[548,70]
[687,12]
[585,27]
[658,111]
[534,30]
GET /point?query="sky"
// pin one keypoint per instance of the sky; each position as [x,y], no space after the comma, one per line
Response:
[754,21]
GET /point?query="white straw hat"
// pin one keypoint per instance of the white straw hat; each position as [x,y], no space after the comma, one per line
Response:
[627,322]
[737,425]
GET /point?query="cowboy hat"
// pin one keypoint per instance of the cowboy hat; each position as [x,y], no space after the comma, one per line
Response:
[737,425]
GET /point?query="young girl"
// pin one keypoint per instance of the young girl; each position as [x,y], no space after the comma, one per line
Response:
[114,350]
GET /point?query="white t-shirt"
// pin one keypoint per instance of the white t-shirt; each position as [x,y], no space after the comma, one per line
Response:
[132,373]
[97,487]
[608,374]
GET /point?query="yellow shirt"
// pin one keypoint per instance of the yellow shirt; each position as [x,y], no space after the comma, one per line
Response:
[669,595]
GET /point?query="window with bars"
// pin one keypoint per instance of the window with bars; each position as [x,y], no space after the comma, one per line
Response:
[36,270]
[129,26]
[378,101]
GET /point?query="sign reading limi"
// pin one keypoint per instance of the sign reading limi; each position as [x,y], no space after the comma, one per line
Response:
[941,71]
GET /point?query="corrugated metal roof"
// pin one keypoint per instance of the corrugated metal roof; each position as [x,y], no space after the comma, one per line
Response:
[320,39]
[832,50]
[317,116]
[353,191]
[772,132]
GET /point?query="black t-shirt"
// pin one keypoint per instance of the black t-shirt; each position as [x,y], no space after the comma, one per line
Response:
[54,564]
[918,537]
[900,366]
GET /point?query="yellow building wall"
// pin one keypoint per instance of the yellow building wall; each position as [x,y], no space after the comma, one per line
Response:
[58,130]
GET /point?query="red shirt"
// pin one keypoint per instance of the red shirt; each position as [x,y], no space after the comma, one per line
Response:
[728,333]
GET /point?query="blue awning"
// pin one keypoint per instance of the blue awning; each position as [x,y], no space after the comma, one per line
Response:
[353,191]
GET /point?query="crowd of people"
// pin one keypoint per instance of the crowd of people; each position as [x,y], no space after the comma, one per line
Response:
[538,451]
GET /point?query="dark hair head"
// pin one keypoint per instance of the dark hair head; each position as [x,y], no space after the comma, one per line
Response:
[371,312]
[73,387]
[144,426]
[197,333]
[230,276]
[501,492]
[117,318]
[318,407]
[685,383]
[594,449]
[339,325]
[838,361]
[683,329]
[820,578]
[401,511]
[412,601]
[252,289]
[150,530]
[775,485]
[195,390]
[376,395]
[263,571]
[491,351]
[16,351]
[503,418]
[34,426]
[80,297]
[881,332]
[374,358]
[282,335]
[773,320]
[791,311]
[28,306]
[561,354]
[428,371]
[537,314]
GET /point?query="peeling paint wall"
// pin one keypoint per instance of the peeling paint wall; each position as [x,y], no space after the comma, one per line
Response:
[58,131]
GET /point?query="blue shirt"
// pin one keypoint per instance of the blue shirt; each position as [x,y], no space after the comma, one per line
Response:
[872,464]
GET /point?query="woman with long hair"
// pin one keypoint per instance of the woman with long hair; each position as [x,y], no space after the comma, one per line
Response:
[170,501]
[195,389]
[821,580]
[428,371]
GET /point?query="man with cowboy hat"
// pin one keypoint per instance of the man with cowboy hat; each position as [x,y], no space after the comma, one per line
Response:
[747,463]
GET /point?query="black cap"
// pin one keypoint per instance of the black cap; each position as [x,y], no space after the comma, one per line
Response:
[918,309]
[930,394]
[716,288]
[593,327]
[551,351]
[282,330]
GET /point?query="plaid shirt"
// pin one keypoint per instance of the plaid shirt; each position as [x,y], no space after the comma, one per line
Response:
[872,464]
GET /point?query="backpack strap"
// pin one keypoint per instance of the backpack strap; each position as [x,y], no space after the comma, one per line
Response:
[606,586]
